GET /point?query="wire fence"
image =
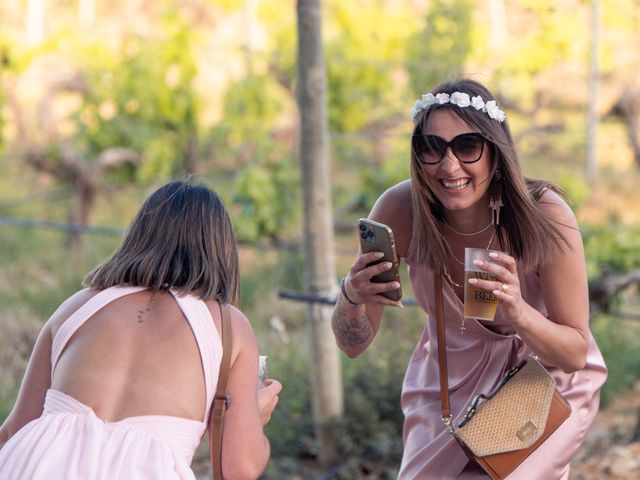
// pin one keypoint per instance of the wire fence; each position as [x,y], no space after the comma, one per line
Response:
[60,226]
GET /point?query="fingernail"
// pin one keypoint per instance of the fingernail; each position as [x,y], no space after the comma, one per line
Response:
[396,285]
[379,254]
[497,293]
[473,281]
[478,263]
[493,254]
[388,264]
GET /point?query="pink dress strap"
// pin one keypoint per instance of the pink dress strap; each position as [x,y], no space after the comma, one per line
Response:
[80,316]
[208,339]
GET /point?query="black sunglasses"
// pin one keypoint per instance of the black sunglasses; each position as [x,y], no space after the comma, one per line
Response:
[430,149]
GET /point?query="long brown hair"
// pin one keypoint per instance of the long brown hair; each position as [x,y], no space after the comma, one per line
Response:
[524,231]
[181,238]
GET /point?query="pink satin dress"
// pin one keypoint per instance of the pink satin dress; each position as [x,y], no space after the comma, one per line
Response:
[477,360]
[70,442]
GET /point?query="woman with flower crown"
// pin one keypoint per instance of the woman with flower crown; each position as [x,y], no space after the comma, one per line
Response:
[467,190]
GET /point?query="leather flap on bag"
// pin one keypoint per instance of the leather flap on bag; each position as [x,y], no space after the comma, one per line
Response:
[514,416]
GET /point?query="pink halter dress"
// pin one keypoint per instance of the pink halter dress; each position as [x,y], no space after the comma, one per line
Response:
[477,360]
[70,442]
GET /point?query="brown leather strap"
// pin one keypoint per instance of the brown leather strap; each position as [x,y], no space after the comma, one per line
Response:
[221,400]
[442,348]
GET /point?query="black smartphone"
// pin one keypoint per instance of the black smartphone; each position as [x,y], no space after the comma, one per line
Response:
[378,237]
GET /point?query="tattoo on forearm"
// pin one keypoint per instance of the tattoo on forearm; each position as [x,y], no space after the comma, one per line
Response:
[351,330]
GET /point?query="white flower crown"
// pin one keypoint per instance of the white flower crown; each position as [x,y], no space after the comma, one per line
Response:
[461,100]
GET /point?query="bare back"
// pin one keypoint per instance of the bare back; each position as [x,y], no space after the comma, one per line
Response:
[136,356]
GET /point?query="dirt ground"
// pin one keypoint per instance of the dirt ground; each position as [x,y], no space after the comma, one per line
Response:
[608,452]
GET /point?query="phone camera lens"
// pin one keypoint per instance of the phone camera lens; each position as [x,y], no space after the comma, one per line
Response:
[363,235]
[362,227]
[370,234]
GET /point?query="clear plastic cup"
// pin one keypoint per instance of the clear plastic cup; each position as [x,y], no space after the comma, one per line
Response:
[263,368]
[479,304]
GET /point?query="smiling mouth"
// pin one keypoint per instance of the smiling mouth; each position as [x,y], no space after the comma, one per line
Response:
[457,185]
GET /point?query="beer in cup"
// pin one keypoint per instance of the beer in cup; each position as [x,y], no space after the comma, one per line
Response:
[479,304]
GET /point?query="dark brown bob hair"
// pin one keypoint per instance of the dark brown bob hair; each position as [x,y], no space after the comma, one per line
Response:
[181,238]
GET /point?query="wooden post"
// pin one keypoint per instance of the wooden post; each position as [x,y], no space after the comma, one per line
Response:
[326,378]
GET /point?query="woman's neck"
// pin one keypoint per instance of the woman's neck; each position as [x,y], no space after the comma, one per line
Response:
[469,223]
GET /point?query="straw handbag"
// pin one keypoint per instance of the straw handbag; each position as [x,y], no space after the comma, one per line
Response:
[221,399]
[502,428]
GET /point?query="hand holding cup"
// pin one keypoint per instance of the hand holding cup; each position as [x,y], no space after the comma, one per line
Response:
[268,398]
[478,303]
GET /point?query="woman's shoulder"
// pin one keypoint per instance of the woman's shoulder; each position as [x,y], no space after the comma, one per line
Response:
[553,204]
[395,208]
[394,202]
[240,324]
[243,338]
[397,195]
[69,307]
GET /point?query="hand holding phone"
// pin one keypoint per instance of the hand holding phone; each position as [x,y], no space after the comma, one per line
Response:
[378,237]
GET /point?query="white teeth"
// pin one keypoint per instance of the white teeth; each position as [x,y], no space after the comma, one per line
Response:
[458,184]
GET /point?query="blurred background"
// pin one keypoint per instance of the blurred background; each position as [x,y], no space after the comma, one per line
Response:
[102,101]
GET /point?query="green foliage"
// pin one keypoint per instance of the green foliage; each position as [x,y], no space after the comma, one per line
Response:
[41,275]
[547,39]
[613,248]
[255,101]
[267,195]
[137,92]
[366,165]
[371,431]
[141,97]
[576,189]
[51,274]
[376,180]
[619,20]
[440,49]
[8,394]
[362,64]
[6,64]
[282,32]
[1,119]
[228,5]
[266,188]
[252,111]
[372,426]
[291,430]
[618,340]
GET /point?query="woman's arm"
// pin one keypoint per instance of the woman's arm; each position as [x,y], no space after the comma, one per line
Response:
[562,338]
[356,325]
[245,449]
[36,381]
[37,378]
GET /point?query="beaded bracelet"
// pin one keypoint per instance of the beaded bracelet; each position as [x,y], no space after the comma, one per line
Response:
[343,289]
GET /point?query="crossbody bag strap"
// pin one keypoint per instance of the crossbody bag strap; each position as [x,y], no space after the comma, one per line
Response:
[221,400]
[442,350]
